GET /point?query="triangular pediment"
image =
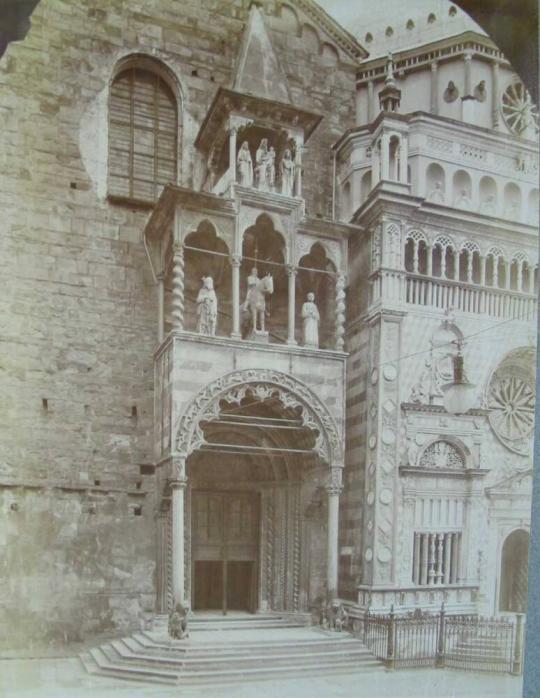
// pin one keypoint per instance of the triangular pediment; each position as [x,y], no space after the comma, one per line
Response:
[518,484]
[259,71]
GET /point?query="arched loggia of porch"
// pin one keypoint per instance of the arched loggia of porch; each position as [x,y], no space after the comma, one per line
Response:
[254,484]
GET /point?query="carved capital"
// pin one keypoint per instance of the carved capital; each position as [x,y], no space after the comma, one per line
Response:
[235,260]
[334,484]
[178,468]
[178,484]
[292,270]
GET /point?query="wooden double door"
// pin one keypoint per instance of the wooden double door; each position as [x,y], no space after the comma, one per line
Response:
[225,550]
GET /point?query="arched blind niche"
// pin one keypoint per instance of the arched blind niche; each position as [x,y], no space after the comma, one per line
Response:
[143,134]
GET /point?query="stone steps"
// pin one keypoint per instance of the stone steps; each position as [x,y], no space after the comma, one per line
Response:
[229,656]
[240,659]
[140,641]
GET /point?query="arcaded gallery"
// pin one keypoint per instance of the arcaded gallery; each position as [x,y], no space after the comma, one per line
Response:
[278,282]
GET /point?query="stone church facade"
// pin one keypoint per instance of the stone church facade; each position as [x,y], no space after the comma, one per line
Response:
[243,253]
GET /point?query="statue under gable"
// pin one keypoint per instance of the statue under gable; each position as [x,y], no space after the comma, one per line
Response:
[245,166]
[287,168]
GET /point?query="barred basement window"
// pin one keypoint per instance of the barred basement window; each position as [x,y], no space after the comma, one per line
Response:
[143,141]
[436,558]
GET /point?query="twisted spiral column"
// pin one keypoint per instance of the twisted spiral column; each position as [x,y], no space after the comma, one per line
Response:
[340,312]
[178,288]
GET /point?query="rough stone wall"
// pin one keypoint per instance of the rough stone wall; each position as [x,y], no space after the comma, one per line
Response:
[77,297]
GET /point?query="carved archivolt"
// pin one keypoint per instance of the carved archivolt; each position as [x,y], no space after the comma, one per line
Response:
[261,384]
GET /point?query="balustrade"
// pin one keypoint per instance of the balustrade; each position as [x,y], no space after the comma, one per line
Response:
[469,298]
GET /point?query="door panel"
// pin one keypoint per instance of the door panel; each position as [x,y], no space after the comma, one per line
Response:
[208,585]
[225,531]
[239,585]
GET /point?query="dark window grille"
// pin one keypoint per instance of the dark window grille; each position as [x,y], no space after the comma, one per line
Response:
[436,558]
[143,140]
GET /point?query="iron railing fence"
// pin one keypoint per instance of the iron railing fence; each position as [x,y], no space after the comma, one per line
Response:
[467,642]
[480,644]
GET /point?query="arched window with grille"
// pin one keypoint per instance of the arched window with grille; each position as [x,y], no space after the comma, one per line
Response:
[143,132]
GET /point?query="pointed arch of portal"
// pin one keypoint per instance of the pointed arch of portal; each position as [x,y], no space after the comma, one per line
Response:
[262,384]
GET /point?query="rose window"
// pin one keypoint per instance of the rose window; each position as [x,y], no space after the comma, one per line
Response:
[518,110]
[510,400]
[512,408]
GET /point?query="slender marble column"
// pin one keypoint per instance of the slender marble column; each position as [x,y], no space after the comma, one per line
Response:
[161,308]
[291,273]
[340,312]
[495,94]
[470,258]
[385,156]
[235,264]
[177,491]
[232,153]
[483,271]
[178,288]
[434,101]
[429,260]
[371,101]
[333,489]
[447,550]
[403,160]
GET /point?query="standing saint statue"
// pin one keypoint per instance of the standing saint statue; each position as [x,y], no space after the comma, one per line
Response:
[207,308]
[245,166]
[311,318]
[436,194]
[287,173]
[463,200]
[261,163]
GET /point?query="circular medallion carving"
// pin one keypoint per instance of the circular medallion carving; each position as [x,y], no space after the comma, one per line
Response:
[373,411]
[388,436]
[370,498]
[368,554]
[384,554]
[386,496]
[372,441]
[510,400]
[390,372]
[387,466]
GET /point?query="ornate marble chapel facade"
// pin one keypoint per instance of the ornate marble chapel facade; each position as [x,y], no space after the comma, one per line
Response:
[206,430]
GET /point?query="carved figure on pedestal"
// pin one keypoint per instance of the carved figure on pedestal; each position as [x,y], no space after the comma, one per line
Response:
[245,166]
[311,318]
[489,205]
[512,210]
[255,302]
[436,195]
[287,173]
[178,626]
[463,200]
[261,165]
[340,617]
[207,306]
